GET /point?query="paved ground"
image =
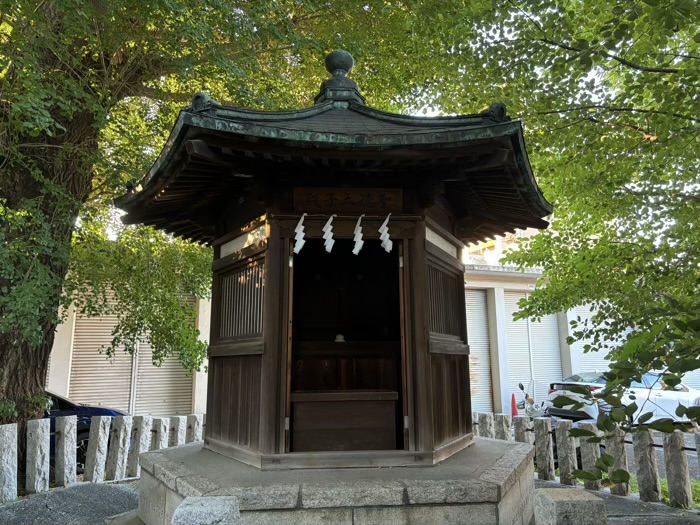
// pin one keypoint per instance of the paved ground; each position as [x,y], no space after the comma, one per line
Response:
[83,504]
[630,510]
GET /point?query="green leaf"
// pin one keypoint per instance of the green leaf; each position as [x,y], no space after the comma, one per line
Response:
[579,389]
[619,476]
[613,400]
[604,462]
[580,432]
[663,425]
[645,417]
[589,476]
[563,401]
[631,409]
[618,415]
[681,410]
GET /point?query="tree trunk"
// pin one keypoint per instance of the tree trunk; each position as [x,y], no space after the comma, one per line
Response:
[43,183]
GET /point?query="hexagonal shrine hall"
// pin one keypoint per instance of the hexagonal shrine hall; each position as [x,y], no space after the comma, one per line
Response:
[338,331]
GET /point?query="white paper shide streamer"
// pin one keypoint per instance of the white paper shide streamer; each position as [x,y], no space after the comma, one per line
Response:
[387,244]
[328,240]
[358,236]
[299,235]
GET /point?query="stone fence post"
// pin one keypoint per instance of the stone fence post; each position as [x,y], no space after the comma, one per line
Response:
[615,446]
[140,442]
[566,452]
[118,448]
[66,450]
[544,454]
[160,433]
[647,469]
[38,432]
[676,461]
[97,449]
[503,427]
[8,463]
[194,428]
[522,430]
[486,428]
[590,453]
[178,430]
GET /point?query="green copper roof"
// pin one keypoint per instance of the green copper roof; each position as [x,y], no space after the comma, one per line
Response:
[480,159]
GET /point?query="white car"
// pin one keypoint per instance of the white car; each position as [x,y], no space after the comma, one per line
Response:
[651,396]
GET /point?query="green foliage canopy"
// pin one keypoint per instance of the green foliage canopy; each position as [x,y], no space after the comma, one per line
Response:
[610,97]
[87,93]
[608,93]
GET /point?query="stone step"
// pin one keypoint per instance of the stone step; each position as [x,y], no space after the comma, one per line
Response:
[125,518]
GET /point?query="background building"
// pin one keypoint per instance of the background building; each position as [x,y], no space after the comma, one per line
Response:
[132,384]
[503,352]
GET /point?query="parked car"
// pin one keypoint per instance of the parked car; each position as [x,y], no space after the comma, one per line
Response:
[60,406]
[651,395]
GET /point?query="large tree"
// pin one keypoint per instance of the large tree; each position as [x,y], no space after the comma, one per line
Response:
[609,93]
[88,90]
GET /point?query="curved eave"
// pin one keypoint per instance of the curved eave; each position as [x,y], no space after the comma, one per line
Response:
[422,137]
[410,138]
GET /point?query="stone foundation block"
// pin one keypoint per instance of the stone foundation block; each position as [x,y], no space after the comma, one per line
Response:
[351,494]
[299,517]
[221,510]
[568,507]
[263,496]
[126,518]
[426,492]
[452,514]
[152,500]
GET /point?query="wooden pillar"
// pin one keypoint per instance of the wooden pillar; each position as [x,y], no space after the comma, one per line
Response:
[271,415]
[422,385]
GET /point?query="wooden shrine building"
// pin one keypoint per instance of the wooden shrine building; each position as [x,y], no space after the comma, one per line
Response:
[353,356]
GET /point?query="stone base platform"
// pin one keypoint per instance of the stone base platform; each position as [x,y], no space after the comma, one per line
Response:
[489,483]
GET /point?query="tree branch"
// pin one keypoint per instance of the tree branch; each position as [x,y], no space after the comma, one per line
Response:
[648,135]
[619,59]
[157,94]
[545,39]
[615,109]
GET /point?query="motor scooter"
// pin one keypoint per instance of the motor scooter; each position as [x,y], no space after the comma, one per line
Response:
[528,405]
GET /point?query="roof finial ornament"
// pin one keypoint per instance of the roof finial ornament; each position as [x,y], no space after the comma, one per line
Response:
[339,64]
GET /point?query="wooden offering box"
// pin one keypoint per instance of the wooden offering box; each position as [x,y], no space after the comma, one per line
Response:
[338,327]
[344,420]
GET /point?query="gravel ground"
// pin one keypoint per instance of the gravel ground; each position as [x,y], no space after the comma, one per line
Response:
[83,504]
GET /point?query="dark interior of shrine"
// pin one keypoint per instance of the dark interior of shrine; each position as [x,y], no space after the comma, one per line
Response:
[346,348]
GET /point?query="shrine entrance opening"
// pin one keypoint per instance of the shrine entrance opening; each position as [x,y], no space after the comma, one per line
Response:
[346,366]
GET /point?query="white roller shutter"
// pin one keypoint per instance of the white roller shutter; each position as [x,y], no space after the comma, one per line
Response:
[164,390]
[546,355]
[48,373]
[479,354]
[519,370]
[588,361]
[94,379]
[127,383]
[533,350]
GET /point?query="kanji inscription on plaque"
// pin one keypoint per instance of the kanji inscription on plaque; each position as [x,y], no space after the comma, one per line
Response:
[359,200]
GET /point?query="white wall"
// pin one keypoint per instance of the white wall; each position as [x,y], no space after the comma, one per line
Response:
[61,353]
[199,394]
